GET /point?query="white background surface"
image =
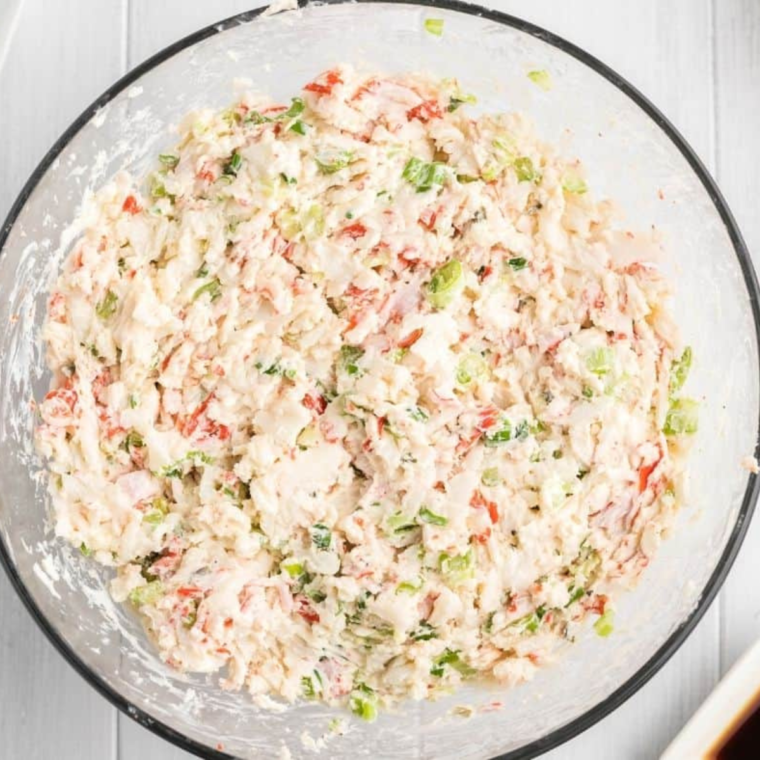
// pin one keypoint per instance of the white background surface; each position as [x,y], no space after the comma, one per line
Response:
[698,60]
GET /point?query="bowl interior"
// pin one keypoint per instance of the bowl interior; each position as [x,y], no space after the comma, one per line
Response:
[630,158]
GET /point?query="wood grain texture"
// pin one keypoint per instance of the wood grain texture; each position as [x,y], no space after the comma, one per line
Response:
[46,709]
[737,68]
[664,47]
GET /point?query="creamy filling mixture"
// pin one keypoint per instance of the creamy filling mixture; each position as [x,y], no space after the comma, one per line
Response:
[363,396]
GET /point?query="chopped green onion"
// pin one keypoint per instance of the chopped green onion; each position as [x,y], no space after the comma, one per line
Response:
[232,167]
[518,263]
[321,536]
[312,686]
[575,595]
[572,183]
[503,435]
[190,619]
[313,222]
[400,523]
[451,657]
[428,516]
[535,619]
[419,414]
[542,78]
[133,441]
[423,175]
[168,160]
[147,594]
[288,180]
[459,100]
[490,477]
[177,469]
[298,127]
[470,368]
[363,702]
[600,361]
[445,284]
[679,371]
[434,26]
[213,288]
[522,431]
[603,626]
[85,549]
[682,417]
[292,568]
[458,568]
[349,358]
[409,587]
[425,632]
[107,307]
[296,109]
[333,161]
[153,518]
[202,272]
[587,392]
[525,170]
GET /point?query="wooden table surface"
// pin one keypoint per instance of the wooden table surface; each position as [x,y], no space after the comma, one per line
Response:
[698,60]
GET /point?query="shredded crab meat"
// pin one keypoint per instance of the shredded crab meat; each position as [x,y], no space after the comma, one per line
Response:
[363,396]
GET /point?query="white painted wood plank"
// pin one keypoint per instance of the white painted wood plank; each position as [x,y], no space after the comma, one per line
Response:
[63,55]
[737,28]
[154,25]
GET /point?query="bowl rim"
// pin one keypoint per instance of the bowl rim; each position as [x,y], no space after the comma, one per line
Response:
[592,716]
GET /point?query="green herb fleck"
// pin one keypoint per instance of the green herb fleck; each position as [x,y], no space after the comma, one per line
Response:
[363,702]
[424,176]
[459,100]
[349,358]
[452,658]
[518,263]
[604,625]
[400,523]
[425,632]
[572,183]
[333,161]
[147,594]
[107,307]
[541,78]
[600,361]
[168,160]
[682,417]
[213,288]
[232,167]
[503,435]
[428,516]
[445,284]
[679,371]
[409,587]
[321,536]
[434,26]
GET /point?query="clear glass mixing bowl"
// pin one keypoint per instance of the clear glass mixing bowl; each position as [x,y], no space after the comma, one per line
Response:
[634,156]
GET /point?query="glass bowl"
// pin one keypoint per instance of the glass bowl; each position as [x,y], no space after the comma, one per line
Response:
[633,154]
